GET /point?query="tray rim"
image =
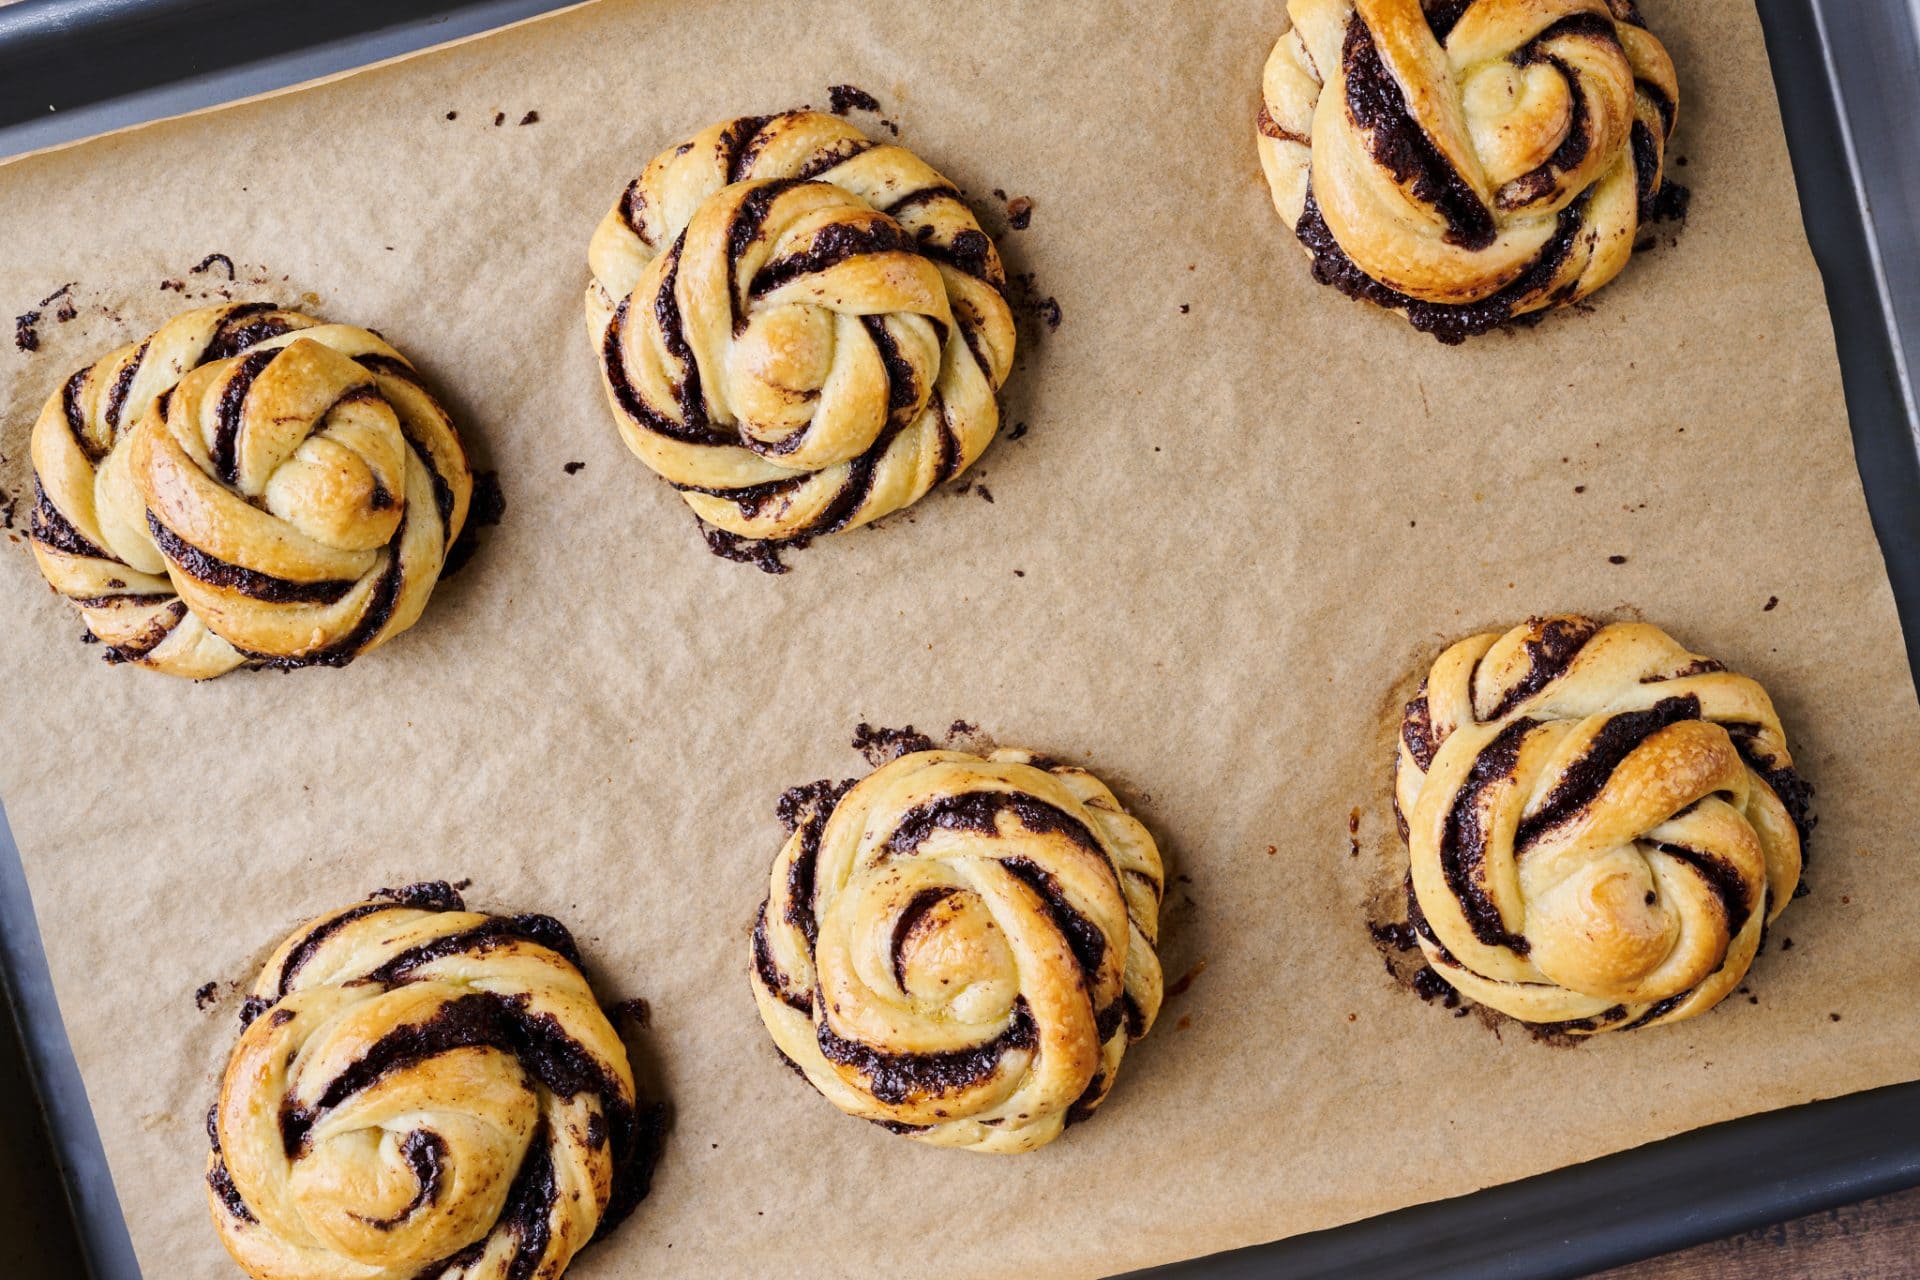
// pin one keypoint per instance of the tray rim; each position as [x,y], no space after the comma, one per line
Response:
[1797,1160]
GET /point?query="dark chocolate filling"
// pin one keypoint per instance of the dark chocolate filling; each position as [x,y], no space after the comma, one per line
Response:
[896,1078]
[1720,876]
[1619,738]
[51,529]
[1549,654]
[1463,844]
[426,1154]
[918,908]
[979,811]
[122,387]
[1082,935]
[1379,106]
[202,567]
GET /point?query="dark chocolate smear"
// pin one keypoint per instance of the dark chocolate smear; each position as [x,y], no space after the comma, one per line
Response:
[1463,844]
[1619,738]
[1549,654]
[197,564]
[896,1078]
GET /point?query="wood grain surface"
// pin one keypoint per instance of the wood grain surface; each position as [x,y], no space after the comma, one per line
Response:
[1874,1240]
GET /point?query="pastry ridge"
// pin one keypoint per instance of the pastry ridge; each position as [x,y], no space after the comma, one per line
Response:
[1600,824]
[1467,162]
[800,329]
[249,486]
[422,1091]
[960,948]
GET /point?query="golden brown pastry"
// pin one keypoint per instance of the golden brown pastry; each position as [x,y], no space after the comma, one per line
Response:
[1600,824]
[247,487]
[1467,162]
[961,948]
[423,1092]
[800,329]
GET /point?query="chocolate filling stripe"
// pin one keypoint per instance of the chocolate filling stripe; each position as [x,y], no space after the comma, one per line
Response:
[834,244]
[910,919]
[748,222]
[1720,876]
[979,811]
[1540,183]
[1416,730]
[379,610]
[742,143]
[832,157]
[315,937]
[1549,654]
[217,573]
[233,340]
[770,975]
[76,416]
[479,1020]
[896,1078]
[1082,935]
[1378,105]
[497,931]
[923,195]
[51,529]
[426,1154]
[225,450]
[1586,777]
[1463,844]
[387,366]
[122,387]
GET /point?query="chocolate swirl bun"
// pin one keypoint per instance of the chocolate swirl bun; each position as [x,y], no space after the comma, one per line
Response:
[247,487]
[1467,162]
[422,1092]
[961,949]
[800,329]
[1600,824]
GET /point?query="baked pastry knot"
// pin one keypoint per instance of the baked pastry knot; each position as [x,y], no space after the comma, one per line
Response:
[961,949]
[800,329]
[1599,823]
[422,1093]
[247,487]
[1467,162]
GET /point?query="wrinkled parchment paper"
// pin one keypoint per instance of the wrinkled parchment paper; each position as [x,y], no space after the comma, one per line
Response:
[1245,510]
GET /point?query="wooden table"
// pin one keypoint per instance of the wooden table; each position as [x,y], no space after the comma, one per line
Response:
[1876,1240]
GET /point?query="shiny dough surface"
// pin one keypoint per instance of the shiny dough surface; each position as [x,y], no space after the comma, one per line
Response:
[423,1092]
[800,329]
[247,487]
[960,948]
[1600,824]
[1467,162]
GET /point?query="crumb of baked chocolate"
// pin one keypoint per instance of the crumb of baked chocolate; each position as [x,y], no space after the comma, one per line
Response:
[1671,203]
[1396,934]
[985,493]
[1019,212]
[573,468]
[962,729]
[1023,294]
[883,746]
[499,118]
[453,115]
[1019,573]
[1186,308]
[814,799]
[532,117]
[488,507]
[845,98]
[1616,559]
[761,554]
[207,993]
[1773,602]
[9,509]
[211,260]
[1019,431]
[173,286]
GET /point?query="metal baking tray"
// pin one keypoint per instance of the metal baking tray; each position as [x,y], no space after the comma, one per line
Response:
[1846,71]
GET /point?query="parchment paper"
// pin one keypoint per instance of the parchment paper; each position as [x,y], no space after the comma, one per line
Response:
[1228,537]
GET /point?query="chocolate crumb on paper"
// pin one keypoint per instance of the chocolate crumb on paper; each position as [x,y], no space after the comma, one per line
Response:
[1616,559]
[843,99]
[761,554]
[204,997]
[532,117]
[26,334]
[573,468]
[211,260]
[1773,602]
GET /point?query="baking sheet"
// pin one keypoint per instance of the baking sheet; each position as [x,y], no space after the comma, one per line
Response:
[596,702]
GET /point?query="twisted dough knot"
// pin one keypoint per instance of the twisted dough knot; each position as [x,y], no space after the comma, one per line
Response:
[801,330]
[960,949]
[423,1092]
[247,487]
[1471,160]
[1600,823]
